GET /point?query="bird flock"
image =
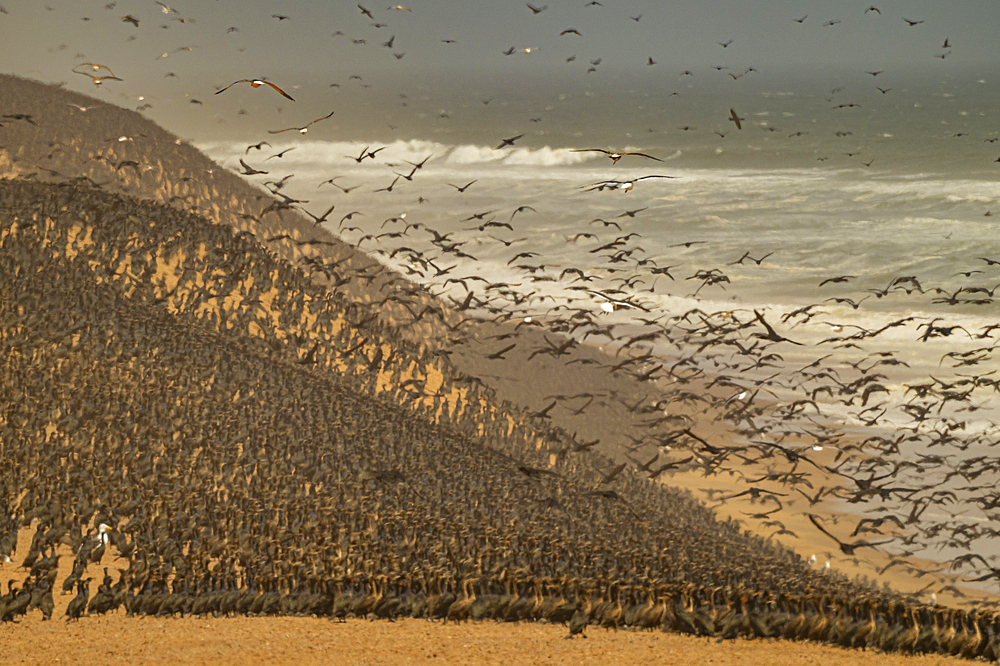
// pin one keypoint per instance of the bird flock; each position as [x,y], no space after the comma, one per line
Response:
[230,475]
[354,450]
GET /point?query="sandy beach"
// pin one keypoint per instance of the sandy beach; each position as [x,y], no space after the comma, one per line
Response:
[303,641]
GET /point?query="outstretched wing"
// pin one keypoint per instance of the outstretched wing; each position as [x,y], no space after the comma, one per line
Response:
[280,91]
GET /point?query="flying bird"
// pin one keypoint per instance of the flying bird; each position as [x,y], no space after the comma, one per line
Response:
[257,146]
[509,142]
[300,130]
[771,334]
[623,185]
[611,304]
[99,79]
[735,118]
[464,187]
[846,548]
[256,83]
[94,66]
[249,170]
[614,156]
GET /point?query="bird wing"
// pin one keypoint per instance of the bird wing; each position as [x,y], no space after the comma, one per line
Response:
[644,155]
[280,91]
[231,85]
[319,119]
[822,529]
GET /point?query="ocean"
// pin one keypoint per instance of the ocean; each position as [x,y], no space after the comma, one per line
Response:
[854,212]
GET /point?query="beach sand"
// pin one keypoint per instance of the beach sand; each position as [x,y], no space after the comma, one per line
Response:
[298,641]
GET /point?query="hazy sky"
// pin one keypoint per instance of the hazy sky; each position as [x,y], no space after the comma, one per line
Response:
[172,58]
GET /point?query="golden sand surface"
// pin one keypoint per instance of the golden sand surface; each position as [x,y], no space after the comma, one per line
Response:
[289,641]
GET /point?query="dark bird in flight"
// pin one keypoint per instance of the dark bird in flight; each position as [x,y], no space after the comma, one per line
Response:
[614,156]
[725,44]
[509,142]
[994,571]
[873,8]
[771,335]
[281,154]
[366,12]
[320,219]
[463,188]
[499,355]
[521,209]
[839,278]
[258,146]
[249,170]
[536,10]
[746,255]
[801,19]
[735,118]
[257,83]
[846,548]
[912,23]
[612,495]
[130,19]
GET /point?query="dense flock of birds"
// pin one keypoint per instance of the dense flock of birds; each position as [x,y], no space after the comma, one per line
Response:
[295,430]
[232,473]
